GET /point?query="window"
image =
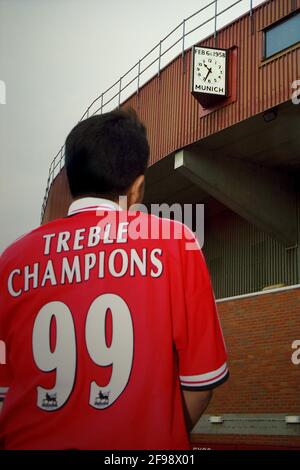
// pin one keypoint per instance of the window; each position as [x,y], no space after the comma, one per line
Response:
[282,35]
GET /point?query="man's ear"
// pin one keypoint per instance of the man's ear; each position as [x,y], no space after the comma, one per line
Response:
[135,193]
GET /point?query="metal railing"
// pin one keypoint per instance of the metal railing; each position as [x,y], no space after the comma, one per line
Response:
[111,98]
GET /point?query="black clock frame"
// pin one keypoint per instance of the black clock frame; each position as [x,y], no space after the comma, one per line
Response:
[208,100]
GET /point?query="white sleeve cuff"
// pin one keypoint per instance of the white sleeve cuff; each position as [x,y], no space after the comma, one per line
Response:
[207,380]
[3,392]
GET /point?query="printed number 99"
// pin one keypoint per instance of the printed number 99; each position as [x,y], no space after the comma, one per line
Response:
[63,358]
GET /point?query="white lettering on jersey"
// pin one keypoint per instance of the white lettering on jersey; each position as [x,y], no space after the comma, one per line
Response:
[28,276]
[48,242]
[76,269]
[124,264]
[94,236]
[85,238]
[106,236]
[157,262]
[62,244]
[78,238]
[122,230]
[10,285]
[63,359]
[135,260]
[70,272]
[49,275]
[101,264]
[90,262]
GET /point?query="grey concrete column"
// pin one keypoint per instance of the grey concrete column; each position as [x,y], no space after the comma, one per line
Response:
[263,196]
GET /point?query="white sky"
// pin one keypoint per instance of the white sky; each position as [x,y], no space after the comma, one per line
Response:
[56,56]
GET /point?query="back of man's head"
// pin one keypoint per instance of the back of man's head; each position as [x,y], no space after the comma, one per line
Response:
[105,154]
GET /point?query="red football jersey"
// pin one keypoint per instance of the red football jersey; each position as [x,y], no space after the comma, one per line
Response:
[105,314]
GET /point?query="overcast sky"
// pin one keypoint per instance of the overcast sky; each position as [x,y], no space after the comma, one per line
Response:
[56,56]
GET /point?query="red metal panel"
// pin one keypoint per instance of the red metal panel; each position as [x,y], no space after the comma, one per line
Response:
[173,116]
[59,198]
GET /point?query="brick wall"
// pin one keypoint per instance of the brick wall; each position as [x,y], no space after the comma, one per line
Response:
[259,331]
[237,442]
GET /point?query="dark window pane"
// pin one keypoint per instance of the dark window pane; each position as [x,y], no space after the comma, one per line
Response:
[283,35]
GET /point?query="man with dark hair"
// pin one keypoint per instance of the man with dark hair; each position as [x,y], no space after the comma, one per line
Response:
[119,143]
[111,326]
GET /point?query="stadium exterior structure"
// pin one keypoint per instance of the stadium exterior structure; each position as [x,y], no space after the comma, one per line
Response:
[241,158]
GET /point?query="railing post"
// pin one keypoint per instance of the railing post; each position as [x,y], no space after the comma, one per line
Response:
[215,27]
[183,41]
[52,175]
[49,175]
[251,17]
[51,171]
[61,158]
[138,84]
[47,189]
[138,77]
[120,88]
[159,58]
[101,110]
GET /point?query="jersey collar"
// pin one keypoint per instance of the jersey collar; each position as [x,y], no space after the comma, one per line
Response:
[86,204]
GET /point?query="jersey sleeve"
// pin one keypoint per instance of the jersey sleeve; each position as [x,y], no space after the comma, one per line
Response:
[4,371]
[202,356]
[4,381]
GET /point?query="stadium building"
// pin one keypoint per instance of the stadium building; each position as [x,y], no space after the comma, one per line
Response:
[223,122]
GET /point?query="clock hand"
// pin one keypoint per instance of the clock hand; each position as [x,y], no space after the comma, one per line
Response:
[209,71]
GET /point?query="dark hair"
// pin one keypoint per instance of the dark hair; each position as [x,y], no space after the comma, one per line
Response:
[105,153]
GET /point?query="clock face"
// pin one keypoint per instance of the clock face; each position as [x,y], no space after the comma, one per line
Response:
[209,71]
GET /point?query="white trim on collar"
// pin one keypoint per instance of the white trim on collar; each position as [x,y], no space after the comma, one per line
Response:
[86,204]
